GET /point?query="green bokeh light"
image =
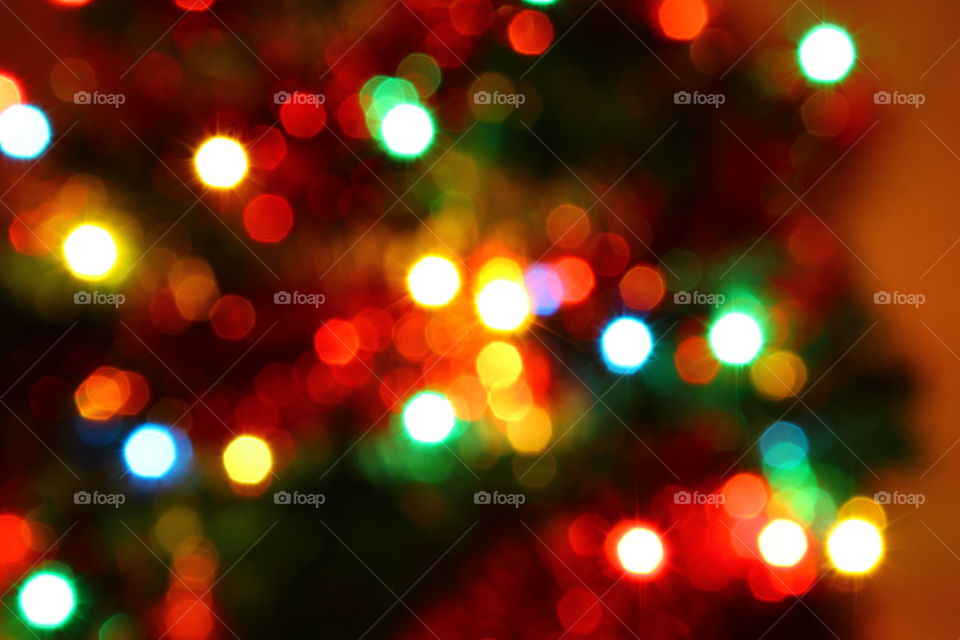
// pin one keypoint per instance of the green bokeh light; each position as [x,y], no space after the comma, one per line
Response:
[47,599]
[826,54]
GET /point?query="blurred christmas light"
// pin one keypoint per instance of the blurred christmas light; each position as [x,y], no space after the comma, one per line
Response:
[47,599]
[428,417]
[682,19]
[545,287]
[90,251]
[784,445]
[855,546]
[247,460]
[736,338]
[150,451]
[503,305]
[640,551]
[498,364]
[433,281]
[783,543]
[24,131]
[15,538]
[10,91]
[407,130]
[625,345]
[826,53]
[221,162]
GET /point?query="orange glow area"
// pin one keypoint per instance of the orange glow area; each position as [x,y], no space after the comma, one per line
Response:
[744,495]
[10,92]
[568,226]
[695,361]
[778,375]
[577,279]
[336,342]
[530,32]
[108,392]
[682,19]
[642,287]
[188,618]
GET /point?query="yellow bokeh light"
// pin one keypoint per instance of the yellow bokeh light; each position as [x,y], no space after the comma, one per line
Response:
[503,305]
[90,251]
[511,402]
[499,269]
[855,546]
[499,364]
[433,281]
[783,543]
[530,434]
[221,162]
[778,375]
[247,460]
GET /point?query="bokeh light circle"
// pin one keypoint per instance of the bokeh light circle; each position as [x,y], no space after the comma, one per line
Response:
[826,53]
[47,599]
[855,546]
[640,551]
[221,162]
[407,130]
[736,338]
[625,345]
[90,251]
[433,281]
[24,131]
[247,460]
[783,543]
[150,452]
[503,305]
[429,417]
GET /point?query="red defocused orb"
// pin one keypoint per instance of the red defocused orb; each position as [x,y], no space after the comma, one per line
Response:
[14,538]
[303,114]
[268,218]
[530,32]
[194,5]
[232,317]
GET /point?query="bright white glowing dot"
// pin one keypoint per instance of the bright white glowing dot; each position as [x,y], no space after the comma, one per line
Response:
[428,417]
[736,338]
[783,543]
[90,251]
[407,130]
[24,131]
[640,551]
[221,162]
[826,54]
[47,600]
[625,345]
[503,305]
[855,546]
[433,281]
[150,452]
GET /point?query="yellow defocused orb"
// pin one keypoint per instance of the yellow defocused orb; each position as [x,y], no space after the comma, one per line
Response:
[433,281]
[503,305]
[90,251]
[221,162]
[855,546]
[247,460]
[640,551]
[498,364]
[783,543]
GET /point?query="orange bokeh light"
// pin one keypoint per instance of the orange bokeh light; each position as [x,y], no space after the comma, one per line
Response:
[682,19]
